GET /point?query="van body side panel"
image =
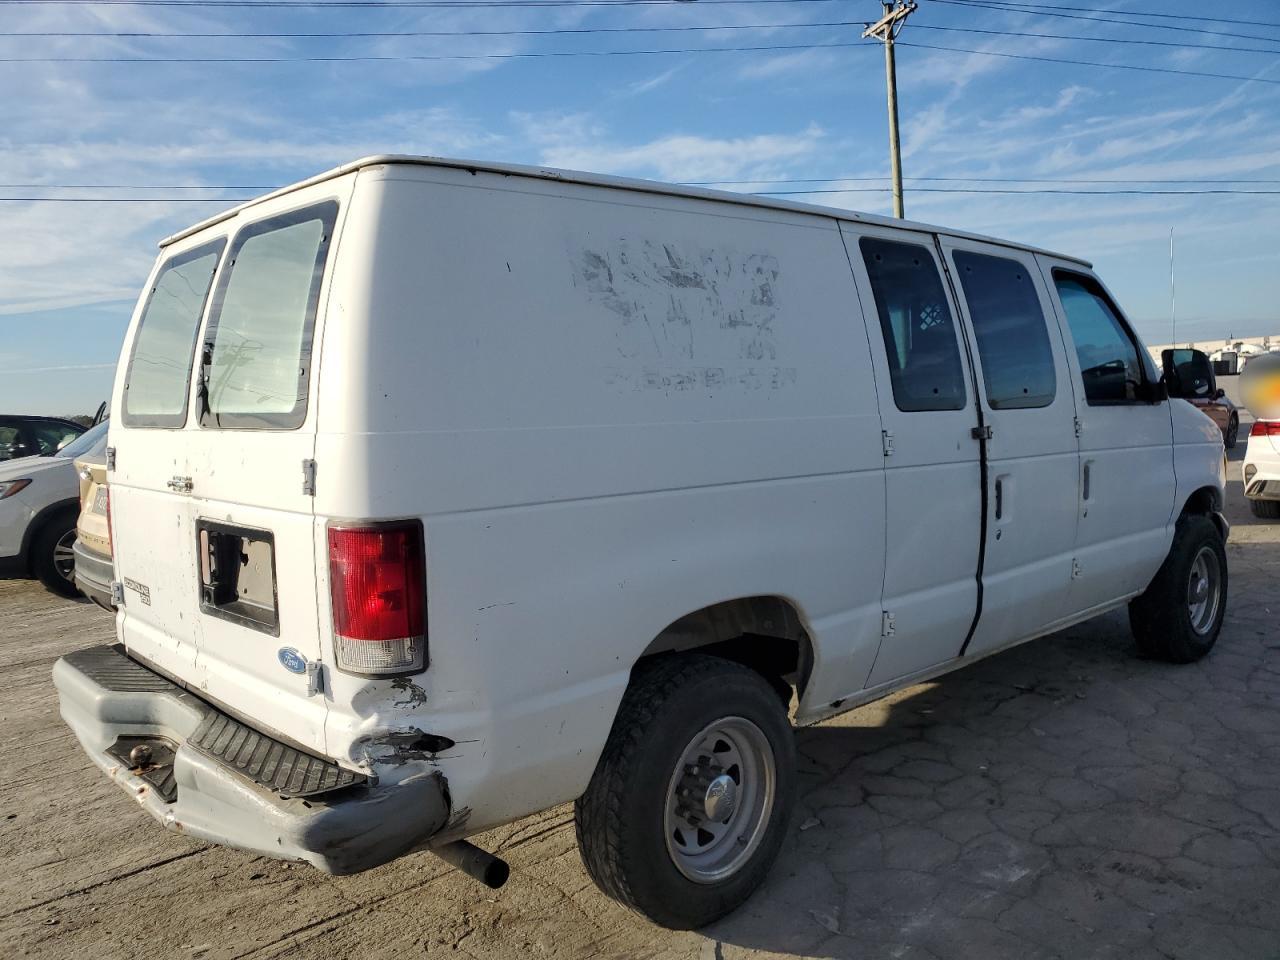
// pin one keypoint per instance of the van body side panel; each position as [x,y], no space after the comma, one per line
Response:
[610,410]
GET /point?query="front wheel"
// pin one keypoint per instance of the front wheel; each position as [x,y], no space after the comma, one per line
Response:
[690,802]
[1180,614]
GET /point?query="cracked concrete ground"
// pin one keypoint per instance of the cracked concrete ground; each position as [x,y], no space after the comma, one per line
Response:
[1065,799]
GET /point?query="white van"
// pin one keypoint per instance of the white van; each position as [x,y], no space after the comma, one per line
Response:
[445,492]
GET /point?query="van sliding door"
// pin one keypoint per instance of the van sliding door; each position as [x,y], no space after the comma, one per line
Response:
[1028,403]
[933,472]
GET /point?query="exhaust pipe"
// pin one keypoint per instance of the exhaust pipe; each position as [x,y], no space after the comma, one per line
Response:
[474,862]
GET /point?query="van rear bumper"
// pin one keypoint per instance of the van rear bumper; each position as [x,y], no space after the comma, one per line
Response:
[216,779]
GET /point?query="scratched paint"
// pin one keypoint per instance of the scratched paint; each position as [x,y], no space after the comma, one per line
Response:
[669,304]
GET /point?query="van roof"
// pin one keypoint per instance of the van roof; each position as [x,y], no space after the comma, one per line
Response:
[617,183]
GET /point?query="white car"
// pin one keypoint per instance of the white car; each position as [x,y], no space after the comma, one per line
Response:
[1261,469]
[39,503]
[445,492]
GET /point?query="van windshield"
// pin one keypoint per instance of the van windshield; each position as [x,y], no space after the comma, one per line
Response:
[259,336]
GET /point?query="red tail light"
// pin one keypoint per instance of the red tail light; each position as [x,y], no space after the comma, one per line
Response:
[378,583]
[1265,428]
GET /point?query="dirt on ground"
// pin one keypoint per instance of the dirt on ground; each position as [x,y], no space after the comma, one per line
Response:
[1063,799]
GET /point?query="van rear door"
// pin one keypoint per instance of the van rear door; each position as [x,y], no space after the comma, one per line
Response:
[150,512]
[251,474]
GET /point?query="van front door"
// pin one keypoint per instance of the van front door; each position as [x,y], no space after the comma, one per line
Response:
[1126,444]
[933,483]
[1028,403]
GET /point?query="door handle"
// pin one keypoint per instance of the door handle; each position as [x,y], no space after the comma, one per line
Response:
[999,498]
[1084,480]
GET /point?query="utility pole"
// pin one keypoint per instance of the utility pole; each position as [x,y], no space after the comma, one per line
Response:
[1173,294]
[885,30]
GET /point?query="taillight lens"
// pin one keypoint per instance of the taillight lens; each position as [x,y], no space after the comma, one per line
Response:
[1265,428]
[377,579]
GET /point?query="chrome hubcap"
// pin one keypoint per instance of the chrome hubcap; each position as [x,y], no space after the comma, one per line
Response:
[64,557]
[719,800]
[1204,590]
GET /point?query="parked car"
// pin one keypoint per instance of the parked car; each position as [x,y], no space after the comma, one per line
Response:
[1189,375]
[38,506]
[93,570]
[1261,469]
[595,479]
[35,436]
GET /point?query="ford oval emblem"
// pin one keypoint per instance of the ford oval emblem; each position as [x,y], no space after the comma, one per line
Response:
[292,660]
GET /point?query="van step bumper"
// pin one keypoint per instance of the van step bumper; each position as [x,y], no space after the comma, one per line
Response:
[205,774]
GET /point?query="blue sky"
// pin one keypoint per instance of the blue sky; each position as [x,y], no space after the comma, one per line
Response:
[69,272]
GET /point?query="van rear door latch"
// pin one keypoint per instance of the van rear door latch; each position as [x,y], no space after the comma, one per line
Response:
[981,433]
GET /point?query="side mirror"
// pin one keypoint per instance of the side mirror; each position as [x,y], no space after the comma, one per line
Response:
[1219,394]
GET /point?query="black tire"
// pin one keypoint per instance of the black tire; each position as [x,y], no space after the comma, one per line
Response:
[1161,618]
[45,549]
[621,820]
[1233,432]
[1266,509]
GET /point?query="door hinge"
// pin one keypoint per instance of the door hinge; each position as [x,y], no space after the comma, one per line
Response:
[886,624]
[309,478]
[111,458]
[315,678]
[1075,569]
[117,593]
[981,433]
[180,484]
[1077,422]
[886,439]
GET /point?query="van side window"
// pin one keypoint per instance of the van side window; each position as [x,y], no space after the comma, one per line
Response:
[919,331]
[257,351]
[1013,341]
[1110,365]
[159,372]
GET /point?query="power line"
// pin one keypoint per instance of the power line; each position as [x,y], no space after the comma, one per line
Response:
[534,55]
[391,4]
[757,193]
[1039,7]
[993,5]
[1091,63]
[425,33]
[1185,44]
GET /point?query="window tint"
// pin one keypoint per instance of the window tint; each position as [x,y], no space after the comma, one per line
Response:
[50,436]
[1109,363]
[1013,341]
[10,438]
[259,337]
[919,332]
[155,388]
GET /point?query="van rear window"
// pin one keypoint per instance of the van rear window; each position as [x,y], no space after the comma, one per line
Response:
[257,354]
[159,373]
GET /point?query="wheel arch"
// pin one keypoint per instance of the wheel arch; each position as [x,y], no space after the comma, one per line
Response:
[765,633]
[1206,501]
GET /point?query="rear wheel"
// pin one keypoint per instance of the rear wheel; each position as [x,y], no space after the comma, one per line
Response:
[1180,614]
[689,804]
[1233,431]
[1266,509]
[53,560]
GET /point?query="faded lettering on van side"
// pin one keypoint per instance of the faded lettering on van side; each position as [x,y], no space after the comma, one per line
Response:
[670,304]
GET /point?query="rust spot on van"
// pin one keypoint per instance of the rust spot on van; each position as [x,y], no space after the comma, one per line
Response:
[413,695]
